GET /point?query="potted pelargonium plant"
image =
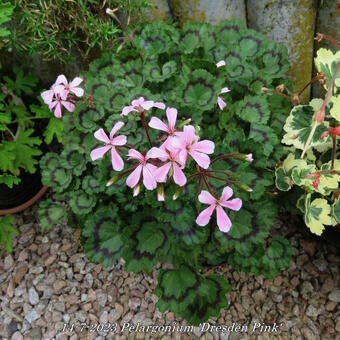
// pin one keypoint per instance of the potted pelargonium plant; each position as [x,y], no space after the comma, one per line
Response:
[167,158]
[311,170]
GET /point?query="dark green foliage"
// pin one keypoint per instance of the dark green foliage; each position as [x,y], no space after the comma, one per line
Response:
[178,67]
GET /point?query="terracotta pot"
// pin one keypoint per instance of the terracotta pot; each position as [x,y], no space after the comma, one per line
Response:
[21,196]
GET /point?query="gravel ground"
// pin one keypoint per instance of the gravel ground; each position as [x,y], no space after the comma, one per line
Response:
[47,284]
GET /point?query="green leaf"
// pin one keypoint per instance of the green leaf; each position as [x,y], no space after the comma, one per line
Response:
[275,59]
[299,125]
[317,214]
[155,74]
[335,110]
[73,160]
[6,229]
[85,117]
[82,203]
[336,210]
[103,243]
[251,43]
[147,242]
[176,288]
[253,109]
[264,135]
[51,213]
[6,10]
[198,89]
[25,149]
[209,300]
[23,83]
[326,62]
[9,180]
[53,174]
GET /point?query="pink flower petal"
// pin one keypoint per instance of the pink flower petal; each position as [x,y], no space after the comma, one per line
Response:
[224,90]
[78,91]
[61,80]
[206,198]
[204,217]
[75,82]
[157,153]
[171,114]
[205,146]
[157,124]
[221,103]
[127,110]
[147,105]
[69,106]
[134,177]
[117,162]
[115,128]
[53,104]
[234,204]
[226,194]
[178,175]
[162,172]
[57,111]
[223,221]
[119,140]
[201,159]
[148,179]
[134,154]
[138,102]
[221,63]
[102,136]
[47,96]
[159,105]
[99,152]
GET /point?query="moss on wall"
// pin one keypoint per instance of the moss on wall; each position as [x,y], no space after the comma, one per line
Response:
[290,23]
[212,11]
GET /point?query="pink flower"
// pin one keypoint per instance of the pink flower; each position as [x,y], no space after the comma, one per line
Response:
[58,103]
[223,221]
[221,63]
[188,143]
[65,88]
[171,155]
[157,124]
[221,103]
[48,95]
[143,167]
[139,105]
[111,143]
[249,157]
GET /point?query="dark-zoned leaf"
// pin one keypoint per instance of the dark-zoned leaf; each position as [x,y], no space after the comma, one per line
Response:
[250,224]
[73,160]
[253,109]
[103,242]
[51,213]
[85,117]
[81,203]
[264,135]
[155,74]
[176,288]
[250,43]
[275,59]
[147,242]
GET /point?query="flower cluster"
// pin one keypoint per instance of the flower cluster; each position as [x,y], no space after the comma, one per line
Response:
[60,95]
[158,164]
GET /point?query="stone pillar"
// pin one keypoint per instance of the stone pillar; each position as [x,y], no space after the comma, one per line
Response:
[328,23]
[291,23]
[211,11]
[160,11]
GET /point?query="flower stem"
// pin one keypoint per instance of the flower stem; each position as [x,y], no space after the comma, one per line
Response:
[142,117]
[227,173]
[317,77]
[221,157]
[333,152]
[222,179]
[321,110]
[321,36]
[208,186]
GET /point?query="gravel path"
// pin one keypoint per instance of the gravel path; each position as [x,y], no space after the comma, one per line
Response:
[47,284]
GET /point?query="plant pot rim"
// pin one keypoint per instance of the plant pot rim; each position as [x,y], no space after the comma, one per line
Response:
[25,205]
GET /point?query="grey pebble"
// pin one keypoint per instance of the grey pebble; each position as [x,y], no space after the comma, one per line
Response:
[334,295]
[32,315]
[33,296]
